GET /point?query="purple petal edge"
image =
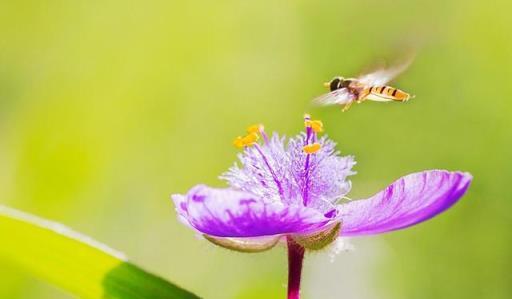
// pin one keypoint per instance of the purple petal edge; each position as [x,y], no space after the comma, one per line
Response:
[410,200]
[232,213]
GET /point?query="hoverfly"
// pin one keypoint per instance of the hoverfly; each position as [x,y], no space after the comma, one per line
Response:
[370,86]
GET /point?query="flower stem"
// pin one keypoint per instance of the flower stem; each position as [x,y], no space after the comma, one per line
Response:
[295,258]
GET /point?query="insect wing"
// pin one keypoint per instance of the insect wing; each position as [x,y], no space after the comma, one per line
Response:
[338,96]
[382,76]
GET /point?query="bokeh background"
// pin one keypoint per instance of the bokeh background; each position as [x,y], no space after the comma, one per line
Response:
[108,107]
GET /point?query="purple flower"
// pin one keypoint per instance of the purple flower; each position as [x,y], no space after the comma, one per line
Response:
[280,189]
[295,190]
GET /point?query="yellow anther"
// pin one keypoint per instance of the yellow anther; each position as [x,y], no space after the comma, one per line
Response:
[250,138]
[312,148]
[247,140]
[238,142]
[257,128]
[316,125]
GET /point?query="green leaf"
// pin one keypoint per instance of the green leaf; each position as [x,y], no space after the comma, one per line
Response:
[75,262]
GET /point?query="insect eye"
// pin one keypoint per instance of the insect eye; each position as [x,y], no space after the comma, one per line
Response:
[335,83]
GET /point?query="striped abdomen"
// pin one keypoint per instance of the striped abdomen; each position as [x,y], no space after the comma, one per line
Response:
[387,93]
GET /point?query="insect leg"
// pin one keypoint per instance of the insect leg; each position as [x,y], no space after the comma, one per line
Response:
[347,106]
[362,96]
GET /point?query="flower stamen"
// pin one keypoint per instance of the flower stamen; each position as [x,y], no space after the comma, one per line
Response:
[251,139]
[271,170]
[312,148]
[253,135]
[312,128]
[316,125]
[247,140]
[257,128]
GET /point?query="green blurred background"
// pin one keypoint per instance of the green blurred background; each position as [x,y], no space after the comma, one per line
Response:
[108,107]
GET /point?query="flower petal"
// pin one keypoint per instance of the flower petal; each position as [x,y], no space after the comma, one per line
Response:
[409,200]
[231,213]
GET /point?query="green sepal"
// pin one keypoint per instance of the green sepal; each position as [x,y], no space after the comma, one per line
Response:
[319,240]
[247,245]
